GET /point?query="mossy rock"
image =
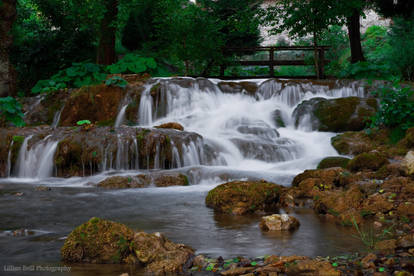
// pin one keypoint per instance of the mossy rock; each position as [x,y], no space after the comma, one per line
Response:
[367,161]
[171,125]
[243,197]
[337,115]
[332,162]
[98,241]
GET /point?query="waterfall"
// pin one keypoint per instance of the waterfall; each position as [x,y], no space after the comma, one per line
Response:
[56,118]
[121,116]
[9,159]
[145,107]
[37,162]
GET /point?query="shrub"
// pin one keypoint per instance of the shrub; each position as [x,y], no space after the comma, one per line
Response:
[133,63]
[11,111]
[116,81]
[76,76]
[396,107]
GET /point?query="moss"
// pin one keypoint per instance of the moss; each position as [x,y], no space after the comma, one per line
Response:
[18,139]
[369,160]
[244,197]
[332,162]
[109,122]
[98,241]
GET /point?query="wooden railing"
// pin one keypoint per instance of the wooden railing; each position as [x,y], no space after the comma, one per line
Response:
[319,58]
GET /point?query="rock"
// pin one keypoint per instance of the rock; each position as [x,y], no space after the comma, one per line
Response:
[408,162]
[333,162]
[336,115]
[166,179]
[176,126]
[277,117]
[242,197]
[386,246]
[277,222]
[101,241]
[406,241]
[160,255]
[238,87]
[237,271]
[377,203]
[312,267]
[327,177]
[368,260]
[371,161]
[123,182]
[43,188]
[98,241]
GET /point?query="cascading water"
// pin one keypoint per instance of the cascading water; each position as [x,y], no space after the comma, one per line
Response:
[242,129]
[36,162]
[56,118]
[8,172]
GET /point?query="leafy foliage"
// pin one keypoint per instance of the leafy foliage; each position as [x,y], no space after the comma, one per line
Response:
[83,122]
[11,111]
[396,107]
[133,63]
[76,76]
[116,81]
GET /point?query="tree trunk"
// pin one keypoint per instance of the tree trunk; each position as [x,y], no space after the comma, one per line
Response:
[354,33]
[7,18]
[106,47]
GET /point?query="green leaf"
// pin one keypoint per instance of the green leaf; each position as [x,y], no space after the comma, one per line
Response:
[83,122]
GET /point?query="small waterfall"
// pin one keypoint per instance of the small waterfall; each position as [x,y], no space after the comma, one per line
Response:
[145,107]
[136,153]
[121,116]
[157,157]
[122,158]
[56,118]
[38,161]
[176,161]
[9,159]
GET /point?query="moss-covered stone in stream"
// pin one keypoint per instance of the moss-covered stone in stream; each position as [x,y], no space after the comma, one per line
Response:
[243,197]
[98,241]
[332,162]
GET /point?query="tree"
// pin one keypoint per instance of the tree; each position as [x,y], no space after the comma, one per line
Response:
[301,18]
[106,47]
[7,18]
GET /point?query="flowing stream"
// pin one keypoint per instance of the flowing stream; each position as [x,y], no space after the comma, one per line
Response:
[252,136]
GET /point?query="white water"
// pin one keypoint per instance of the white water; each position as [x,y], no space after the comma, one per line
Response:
[240,136]
[56,118]
[36,162]
[240,127]
[8,173]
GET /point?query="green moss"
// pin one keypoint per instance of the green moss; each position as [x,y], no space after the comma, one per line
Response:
[369,160]
[332,162]
[18,139]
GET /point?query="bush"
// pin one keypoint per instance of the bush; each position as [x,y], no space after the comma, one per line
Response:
[133,63]
[396,107]
[76,76]
[11,111]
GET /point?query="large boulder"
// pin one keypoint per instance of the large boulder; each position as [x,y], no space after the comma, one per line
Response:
[243,197]
[100,241]
[278,222]
[336,115]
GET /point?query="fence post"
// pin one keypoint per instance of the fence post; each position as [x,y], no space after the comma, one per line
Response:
[321,62]
[271,59]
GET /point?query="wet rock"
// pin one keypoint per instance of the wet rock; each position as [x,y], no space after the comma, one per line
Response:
[43,188]
[344,206]
[377,203]
[160,255]
[312,267]
[98,104]
[238,87]
[325,177]
[408,163]
[333,162]
[277,117]
[164,179]
[101,241]
[242,197]
[123,182]
[336,115]
[367,161]
[237,271]
[98,241]
[172,125]
[278,222]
